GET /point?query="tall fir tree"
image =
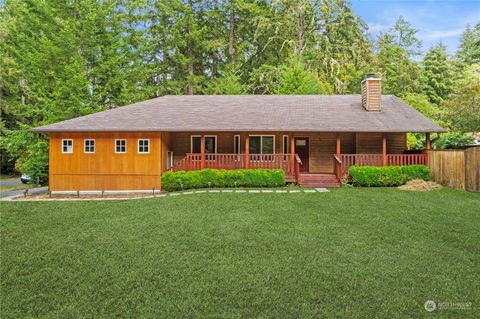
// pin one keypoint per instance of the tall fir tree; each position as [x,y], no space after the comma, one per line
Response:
[437,78]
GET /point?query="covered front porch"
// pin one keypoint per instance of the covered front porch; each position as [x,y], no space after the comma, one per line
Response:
[306,157]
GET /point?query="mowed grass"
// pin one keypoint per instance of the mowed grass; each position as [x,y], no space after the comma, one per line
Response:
[350,253]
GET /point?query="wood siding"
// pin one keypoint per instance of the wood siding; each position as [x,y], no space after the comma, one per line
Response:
[105,169]
[322,145]
[372,94]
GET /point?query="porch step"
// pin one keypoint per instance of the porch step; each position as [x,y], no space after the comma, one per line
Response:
[318,180]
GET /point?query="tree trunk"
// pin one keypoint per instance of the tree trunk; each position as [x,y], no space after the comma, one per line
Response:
[231,36]
[189,90]
[300,32]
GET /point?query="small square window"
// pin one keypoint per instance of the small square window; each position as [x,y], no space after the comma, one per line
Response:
[67,146]
[120,146]
[143,146]
[89,146]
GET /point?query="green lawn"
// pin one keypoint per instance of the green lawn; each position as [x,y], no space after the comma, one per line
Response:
[350,253]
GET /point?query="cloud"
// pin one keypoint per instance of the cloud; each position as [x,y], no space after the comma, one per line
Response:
[442,34]
[377,27]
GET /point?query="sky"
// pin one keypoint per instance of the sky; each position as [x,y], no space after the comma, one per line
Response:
[437,20]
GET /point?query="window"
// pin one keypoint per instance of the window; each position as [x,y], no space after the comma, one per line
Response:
[285,144]
[120,146]
[262,144]
[210,144]
[89,146]
[143,146]
[67,146]
[236,144]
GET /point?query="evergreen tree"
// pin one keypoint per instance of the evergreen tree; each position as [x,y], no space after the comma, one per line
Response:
[437,77]
[294,78]
[469,52]
[395,51]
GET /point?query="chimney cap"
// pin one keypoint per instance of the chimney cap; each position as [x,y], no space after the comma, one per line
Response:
[371,75]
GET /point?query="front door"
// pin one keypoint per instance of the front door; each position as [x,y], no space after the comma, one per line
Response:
[303,151]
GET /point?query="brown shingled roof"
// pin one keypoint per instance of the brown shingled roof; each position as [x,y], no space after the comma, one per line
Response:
[309,113]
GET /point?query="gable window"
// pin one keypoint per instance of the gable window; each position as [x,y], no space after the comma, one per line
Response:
[89,146]
[236,144]
[262,144]
[67,146]
[120,146]
[143,146]
[210,144]
[285,144]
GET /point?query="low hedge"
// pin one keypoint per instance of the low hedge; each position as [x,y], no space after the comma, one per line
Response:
[384,176]
[172,181]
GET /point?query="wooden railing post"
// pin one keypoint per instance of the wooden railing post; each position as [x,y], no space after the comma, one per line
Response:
[247,151]
[292,154]
[202,151]
[384,149]
[339,156]
[427,147]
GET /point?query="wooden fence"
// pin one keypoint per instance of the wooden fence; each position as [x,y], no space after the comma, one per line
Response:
[457,168]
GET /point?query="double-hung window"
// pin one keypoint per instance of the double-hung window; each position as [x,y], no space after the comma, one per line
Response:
[67,146]
[143,146]
[89,146]
[210,144]
[120,146]
[261,144]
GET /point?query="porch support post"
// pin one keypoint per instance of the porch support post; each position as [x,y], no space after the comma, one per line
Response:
[202,150]
[384,149]
[339,155]
[247,151]
[427,147]
[292,153]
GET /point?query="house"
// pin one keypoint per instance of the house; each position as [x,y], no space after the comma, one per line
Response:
[313,138]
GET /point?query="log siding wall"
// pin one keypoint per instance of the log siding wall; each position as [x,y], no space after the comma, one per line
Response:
[322,145]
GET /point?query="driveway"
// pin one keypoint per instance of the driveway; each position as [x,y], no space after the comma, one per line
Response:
[31,191]
[10,181]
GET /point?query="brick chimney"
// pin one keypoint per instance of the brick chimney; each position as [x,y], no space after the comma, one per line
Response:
[372,93]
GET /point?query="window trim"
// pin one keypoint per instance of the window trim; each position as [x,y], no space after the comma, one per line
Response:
[235,137]
[285,149]
[122,139]
[85,145]
[191,143]
[67,139]
[261,142]
[169,159]
[138,145]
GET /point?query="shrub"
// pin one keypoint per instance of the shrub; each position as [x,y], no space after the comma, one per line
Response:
[172,181]
[385,176]
[453,140]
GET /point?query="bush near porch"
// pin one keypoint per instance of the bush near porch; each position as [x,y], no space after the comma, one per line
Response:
[381,176]
[172,181]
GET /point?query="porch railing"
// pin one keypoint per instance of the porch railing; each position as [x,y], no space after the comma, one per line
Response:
[347,160]
[193,162]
